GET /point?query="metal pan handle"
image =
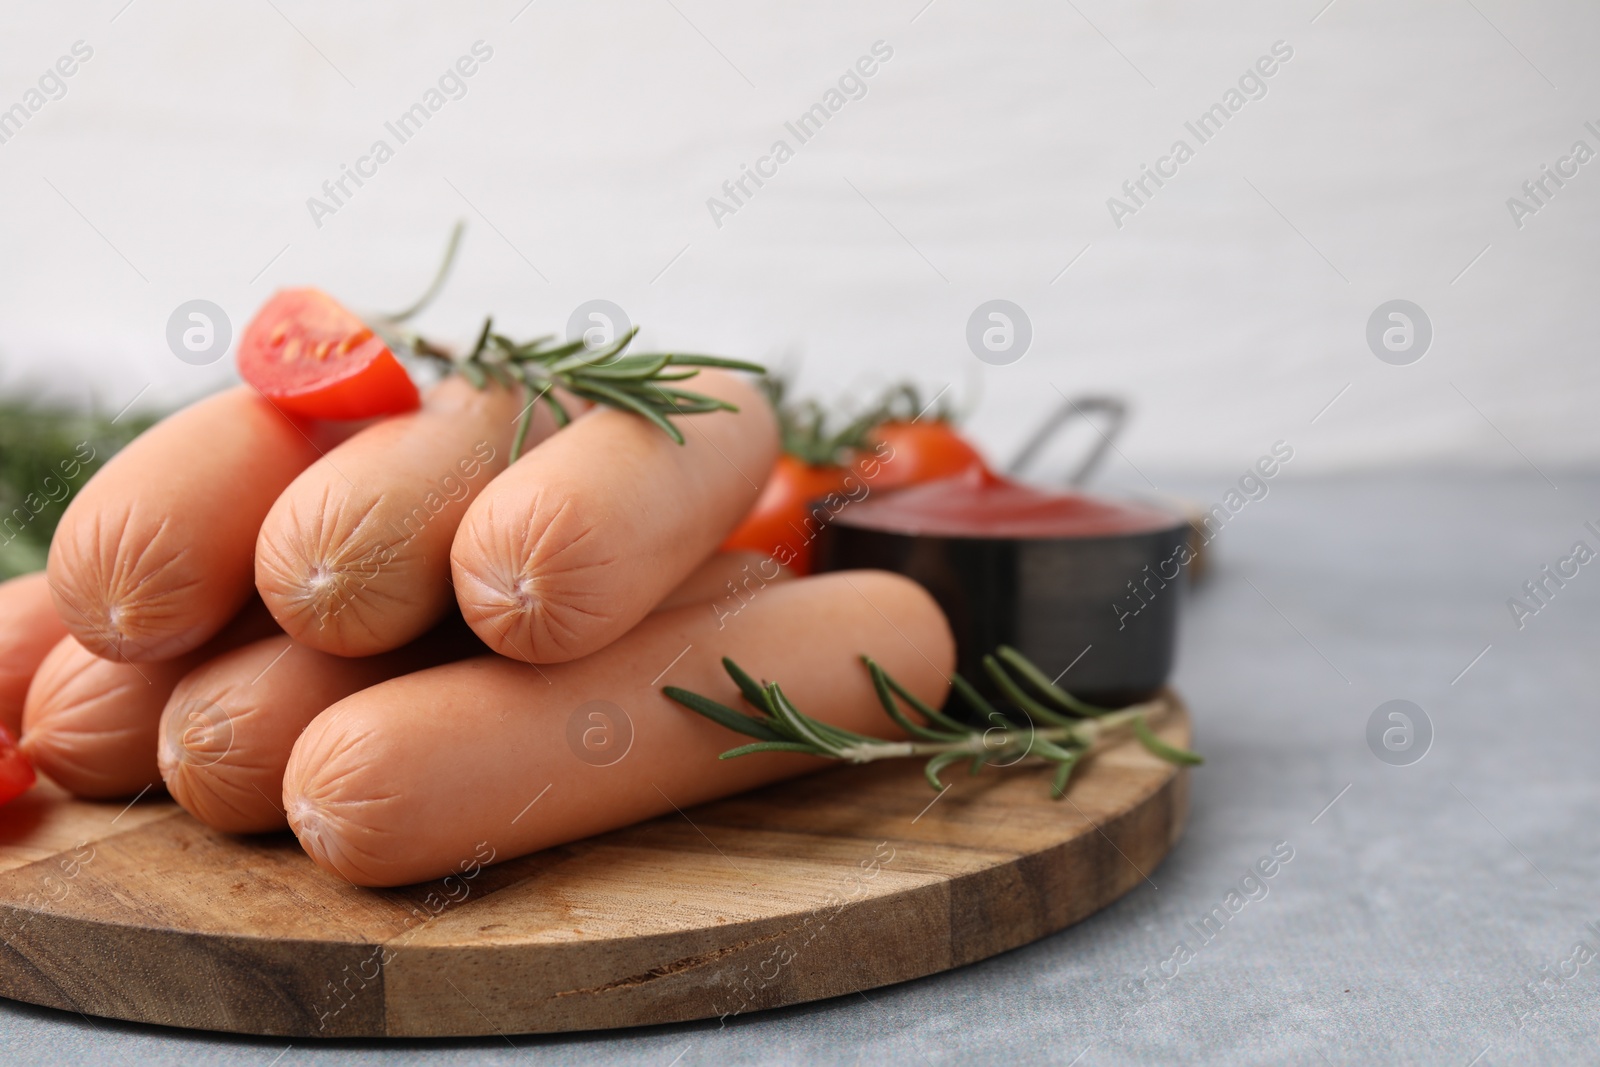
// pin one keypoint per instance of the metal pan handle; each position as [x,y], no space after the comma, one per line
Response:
[1082,407]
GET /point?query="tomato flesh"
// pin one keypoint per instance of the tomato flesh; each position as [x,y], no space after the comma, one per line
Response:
[312,357]
[16,772]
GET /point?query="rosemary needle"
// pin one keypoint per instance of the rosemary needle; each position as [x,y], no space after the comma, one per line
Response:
[633,382]
[1031,728]
[637,382]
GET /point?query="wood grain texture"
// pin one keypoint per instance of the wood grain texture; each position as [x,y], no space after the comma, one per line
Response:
[841,881]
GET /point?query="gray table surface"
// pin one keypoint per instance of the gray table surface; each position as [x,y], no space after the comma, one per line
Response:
[1421,901]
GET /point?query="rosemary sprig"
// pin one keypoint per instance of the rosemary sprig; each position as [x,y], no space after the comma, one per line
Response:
[807,430]
[903,402]
[820,435]
[637,382]
[1038,723]
[640,382]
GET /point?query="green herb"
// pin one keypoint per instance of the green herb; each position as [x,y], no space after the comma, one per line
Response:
[1041,721]
[903,403]
[813,433]
[47,452]
[636,382]
[806,427]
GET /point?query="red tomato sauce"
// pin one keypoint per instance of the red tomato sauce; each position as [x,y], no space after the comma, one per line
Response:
[982,504]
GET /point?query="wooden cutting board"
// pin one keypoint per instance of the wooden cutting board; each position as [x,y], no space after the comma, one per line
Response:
[846,880]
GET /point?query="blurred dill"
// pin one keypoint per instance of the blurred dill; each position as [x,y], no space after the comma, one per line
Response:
[47,452]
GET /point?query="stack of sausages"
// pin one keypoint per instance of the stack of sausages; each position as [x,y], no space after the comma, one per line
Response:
[400,644]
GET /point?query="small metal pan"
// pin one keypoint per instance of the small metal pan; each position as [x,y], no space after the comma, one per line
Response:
[1099,612]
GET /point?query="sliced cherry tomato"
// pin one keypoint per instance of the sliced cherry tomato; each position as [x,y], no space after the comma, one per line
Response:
[781,524]
[16,773]
[312,357]
[922,452]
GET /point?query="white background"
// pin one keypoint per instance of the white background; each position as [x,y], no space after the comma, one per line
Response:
[1231,309]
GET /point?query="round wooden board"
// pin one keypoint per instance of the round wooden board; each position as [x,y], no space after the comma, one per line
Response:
[840,881]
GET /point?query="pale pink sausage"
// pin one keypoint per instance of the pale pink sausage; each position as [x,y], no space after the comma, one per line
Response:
[230,724]
[354,558]
[29,629]
[410,779]
[91,724]
[157,552]
[580,538]
[726,581]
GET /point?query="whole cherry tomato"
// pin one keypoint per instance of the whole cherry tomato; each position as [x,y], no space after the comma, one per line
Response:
[780,524]
[891,444]
[784,523]
[922,451]
[312,357]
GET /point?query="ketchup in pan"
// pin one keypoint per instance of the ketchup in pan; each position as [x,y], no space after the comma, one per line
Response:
[1085,586]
